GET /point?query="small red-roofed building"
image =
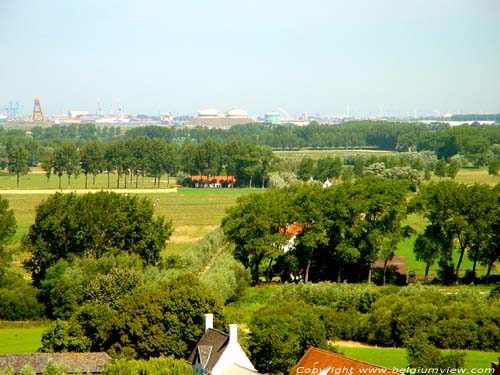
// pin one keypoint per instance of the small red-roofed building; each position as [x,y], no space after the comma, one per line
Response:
[213,181]
[496,367]
[322,362]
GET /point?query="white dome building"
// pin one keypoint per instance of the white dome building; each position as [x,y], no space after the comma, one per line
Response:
[237,113]
[209,113]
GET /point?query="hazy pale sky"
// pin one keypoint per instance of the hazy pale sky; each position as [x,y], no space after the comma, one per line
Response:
[318,56]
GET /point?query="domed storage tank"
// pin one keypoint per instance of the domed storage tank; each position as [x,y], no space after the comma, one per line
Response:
[236,113]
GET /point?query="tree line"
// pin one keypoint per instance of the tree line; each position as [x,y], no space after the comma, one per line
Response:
[344,228]
[131,159]
[478,143]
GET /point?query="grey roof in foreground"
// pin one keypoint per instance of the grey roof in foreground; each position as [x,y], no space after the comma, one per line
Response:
[82,362]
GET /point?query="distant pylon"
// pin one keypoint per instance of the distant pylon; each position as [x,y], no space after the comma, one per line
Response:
[37,110]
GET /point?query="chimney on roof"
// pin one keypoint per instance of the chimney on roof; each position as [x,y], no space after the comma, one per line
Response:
[233,333]
[209,321]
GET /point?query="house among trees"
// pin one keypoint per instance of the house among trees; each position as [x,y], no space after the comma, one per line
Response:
[395,269]
[213,181]
[322,362]
[81,363]
[220,354]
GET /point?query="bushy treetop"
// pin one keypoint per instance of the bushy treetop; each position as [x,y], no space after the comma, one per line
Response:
[90,225]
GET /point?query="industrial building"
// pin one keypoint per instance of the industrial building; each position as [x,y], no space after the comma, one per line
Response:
[212,118]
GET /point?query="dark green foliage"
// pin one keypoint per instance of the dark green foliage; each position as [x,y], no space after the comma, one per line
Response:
[281,333]
[495,292]
[154,320]
[18,161]
[18,299]
[421,354]
[343,227]
[91,225]
[164,320]
[102,280]
[463,219]
[153,366]
[461,320]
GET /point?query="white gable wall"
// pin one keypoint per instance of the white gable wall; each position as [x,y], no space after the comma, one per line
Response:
[233,354]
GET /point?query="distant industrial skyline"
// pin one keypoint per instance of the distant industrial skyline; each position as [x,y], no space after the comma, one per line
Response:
[326,57]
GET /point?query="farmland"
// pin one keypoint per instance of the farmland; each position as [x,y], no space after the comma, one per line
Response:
[196,212]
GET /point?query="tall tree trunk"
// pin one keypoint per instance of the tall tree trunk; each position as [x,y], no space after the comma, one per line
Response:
[108,179]
[17,179]
[60,182]
[370,275]
[384,272]
[268,271]
[306,279]
[93,180]
[427,266]
[85,180]
[474,264]
[488,272]
[462,252]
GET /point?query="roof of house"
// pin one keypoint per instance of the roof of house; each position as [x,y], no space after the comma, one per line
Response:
[214,178]
[496,367]
[210,348]
[398,262]
[291,229]
[328,363]
[82,362]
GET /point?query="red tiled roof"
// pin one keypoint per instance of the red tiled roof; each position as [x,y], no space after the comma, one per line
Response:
[396,261]
[321,362]
[291,229]
[214,178]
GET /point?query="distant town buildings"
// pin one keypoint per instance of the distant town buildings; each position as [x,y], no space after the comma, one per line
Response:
[212,118]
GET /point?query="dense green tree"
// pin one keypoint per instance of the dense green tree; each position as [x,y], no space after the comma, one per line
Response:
[427,248]
[152,366]
[441,168]
[306,169]
[253,226]
[67,161]
[7,230]
[92,160]
[280,334]
[422,355]
[91,225]
[18,161]
[494,167]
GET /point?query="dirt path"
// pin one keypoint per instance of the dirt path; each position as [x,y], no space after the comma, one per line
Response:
[352,344]
[83,191]
[211,262]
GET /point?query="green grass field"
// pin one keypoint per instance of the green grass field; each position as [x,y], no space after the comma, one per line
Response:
[195,212]
[396,357]
[20,340]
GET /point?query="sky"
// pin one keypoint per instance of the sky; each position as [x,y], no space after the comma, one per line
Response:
[326,57]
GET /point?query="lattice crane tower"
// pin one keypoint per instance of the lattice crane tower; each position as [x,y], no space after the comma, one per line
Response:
[37,110]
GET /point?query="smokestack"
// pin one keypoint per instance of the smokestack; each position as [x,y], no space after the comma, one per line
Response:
[209,321]
[233,333]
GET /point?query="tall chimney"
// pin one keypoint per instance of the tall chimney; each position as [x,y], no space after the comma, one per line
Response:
[233,333]
[209,321]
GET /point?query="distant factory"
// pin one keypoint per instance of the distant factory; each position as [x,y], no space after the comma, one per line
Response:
[212,118]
